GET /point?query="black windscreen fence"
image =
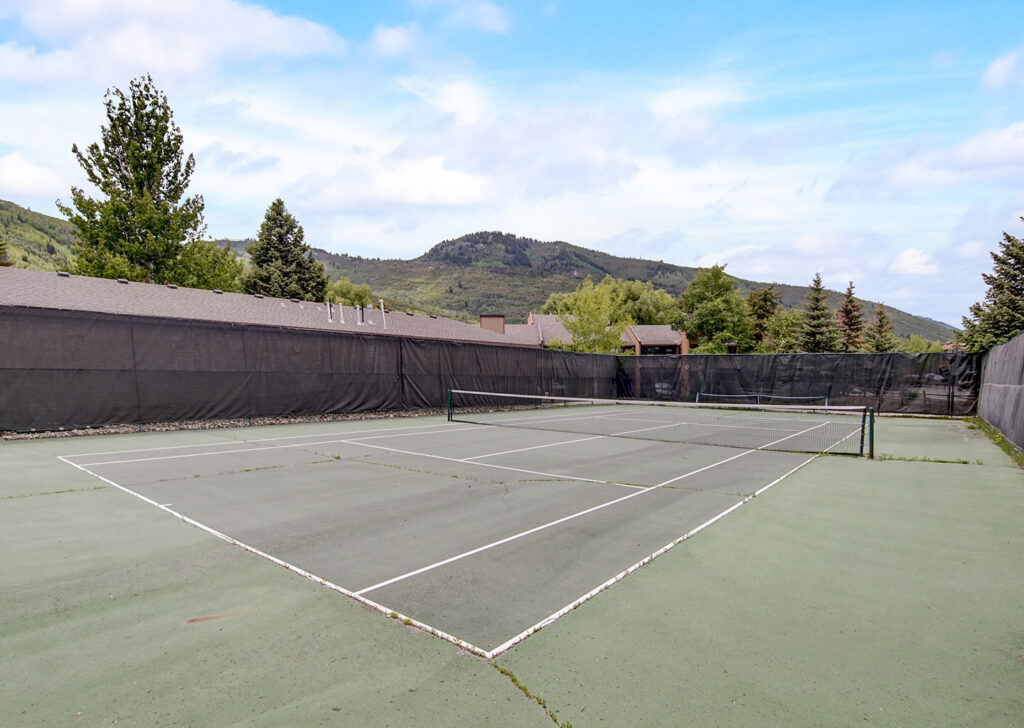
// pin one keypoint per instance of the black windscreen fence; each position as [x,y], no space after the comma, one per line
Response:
[934,384]
[69,369]
[1001,403]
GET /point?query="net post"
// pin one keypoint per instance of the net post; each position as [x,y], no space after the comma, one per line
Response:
[448,403]
[871,433]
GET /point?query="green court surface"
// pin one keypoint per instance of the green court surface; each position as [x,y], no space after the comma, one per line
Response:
[179,579]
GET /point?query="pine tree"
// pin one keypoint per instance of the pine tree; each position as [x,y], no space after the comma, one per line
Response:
[1001,316]
[819,333]
[878,338]
[282,264]
[851,323]
[763,304]
[137,229]
[4,263]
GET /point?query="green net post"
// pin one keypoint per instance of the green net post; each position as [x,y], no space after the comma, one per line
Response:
[871,433]
[448,403]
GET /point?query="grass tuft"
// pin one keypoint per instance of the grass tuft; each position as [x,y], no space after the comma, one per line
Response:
[955,461]
[535,698]
[993,434]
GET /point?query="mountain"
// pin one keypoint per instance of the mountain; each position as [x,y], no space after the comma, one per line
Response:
[498,273]
[480,273]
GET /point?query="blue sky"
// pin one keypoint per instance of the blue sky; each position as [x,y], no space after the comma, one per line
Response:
[881,143]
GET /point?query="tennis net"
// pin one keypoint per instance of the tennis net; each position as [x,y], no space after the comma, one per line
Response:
[792,428]
[761,398]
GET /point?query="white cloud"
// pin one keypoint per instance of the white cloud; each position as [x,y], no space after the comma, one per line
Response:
[915,262]
[683,99]
[995,149]
[971,249]
[19,177]
[394,41]
[485,16]
[464,100]
[995,155]
[481,15]
[108,38]
[1007,70]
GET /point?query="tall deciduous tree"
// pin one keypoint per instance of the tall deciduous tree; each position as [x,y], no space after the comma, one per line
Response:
[592,316]
[713,314]
[917,344]
[204,264]
[782,332]
[878,337]
[819,332]
[851,322]
[137,228]
[1001,316]
[351,294]
[282,264]
[639,302]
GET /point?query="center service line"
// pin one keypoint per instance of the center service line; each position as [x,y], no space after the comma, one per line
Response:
[556,522]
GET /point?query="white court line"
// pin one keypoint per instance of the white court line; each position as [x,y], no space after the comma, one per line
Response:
[291,567]
[240,450]
[465,461]
[441,425]
[531,447]
[360,442]
[536,529]
[566,442]
[643,562]
[516,536]
[358,596]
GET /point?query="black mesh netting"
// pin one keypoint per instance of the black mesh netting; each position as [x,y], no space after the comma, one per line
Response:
[1001,403]
[937,384]
[64,369]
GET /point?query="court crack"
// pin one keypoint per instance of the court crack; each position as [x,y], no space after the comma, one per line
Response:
[529,694]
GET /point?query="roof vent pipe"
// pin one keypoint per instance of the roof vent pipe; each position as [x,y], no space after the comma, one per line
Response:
[359,315]
[383,320]
[330,312]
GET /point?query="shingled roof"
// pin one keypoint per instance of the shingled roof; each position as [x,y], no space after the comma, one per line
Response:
[60,291]
[547,327]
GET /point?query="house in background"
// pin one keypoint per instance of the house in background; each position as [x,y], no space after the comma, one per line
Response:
[45,290]
[542,330]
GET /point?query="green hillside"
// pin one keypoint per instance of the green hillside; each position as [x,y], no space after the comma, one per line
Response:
[498,273]
[34,240]
[480,273]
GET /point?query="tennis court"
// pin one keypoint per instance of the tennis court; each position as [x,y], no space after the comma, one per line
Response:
[479,534]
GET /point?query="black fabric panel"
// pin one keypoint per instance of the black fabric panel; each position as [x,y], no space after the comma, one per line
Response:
[45,339]
[76,369]
[940,384]
[54,399]
[1002,390]
[168,396]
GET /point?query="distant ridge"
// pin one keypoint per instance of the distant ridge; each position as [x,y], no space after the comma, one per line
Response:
[480,273]
[499,273]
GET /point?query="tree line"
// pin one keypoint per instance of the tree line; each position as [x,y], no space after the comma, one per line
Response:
[143,227]
[718,319]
